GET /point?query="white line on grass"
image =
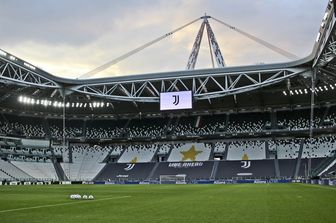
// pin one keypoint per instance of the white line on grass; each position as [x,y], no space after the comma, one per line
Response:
[320,186]
[62,204]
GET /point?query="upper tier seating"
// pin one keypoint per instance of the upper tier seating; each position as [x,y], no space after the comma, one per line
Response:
[246,150]
[190,152]
[138,154]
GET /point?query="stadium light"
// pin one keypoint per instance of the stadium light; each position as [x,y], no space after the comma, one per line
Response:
[296,92]
[29,66]
[12,57]
[325,16]
[332,87]
[318,37]
[291,92]
[58,104]
[3,53]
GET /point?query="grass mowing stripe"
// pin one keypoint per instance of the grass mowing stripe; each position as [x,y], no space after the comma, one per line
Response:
[62,204]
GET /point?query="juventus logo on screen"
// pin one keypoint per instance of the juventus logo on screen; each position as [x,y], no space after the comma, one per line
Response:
[129,166]
[176,99]
[246,164]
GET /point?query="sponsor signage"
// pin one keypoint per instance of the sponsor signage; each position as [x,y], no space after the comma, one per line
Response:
[65,182]
[244,174]
[109,182]
[122,176]
[185,165]
[143,182]
[87,182]
[260,181]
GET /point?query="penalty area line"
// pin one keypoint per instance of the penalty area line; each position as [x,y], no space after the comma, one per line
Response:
[62,204]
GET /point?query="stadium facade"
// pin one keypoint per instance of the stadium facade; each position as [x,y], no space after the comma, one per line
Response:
[264,122]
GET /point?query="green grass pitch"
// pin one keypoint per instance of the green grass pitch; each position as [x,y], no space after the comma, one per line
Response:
[169,203]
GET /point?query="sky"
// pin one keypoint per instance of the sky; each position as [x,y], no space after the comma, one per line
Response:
[68,38]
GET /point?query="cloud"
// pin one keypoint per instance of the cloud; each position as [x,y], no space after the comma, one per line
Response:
[69,38]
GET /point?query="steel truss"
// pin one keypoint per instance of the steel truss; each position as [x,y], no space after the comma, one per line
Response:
[205,84]
[326,40]
[211,85]
[11,70]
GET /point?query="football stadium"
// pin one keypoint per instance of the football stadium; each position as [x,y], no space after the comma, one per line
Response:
[250,143]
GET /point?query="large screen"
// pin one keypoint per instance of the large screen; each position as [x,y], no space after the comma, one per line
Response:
[175,100]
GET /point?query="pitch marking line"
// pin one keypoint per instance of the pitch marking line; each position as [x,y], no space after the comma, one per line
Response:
[62,204]
[320,186]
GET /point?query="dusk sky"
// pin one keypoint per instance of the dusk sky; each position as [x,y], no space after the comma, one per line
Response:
[68,38]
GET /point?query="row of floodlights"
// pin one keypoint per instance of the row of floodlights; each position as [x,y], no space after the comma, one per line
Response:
[305,91]
[59,104]
[13,58]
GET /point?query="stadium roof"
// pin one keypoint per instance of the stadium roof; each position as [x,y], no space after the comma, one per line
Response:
[226,88]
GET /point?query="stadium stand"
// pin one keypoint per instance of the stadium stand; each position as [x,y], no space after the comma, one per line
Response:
[288,148]
[283,157]
[246,169]
[11,170]
[193,170]
[219,147]
[319,147]
[38,170]
[138,153]
[4,176]
[125,172]
[246,150]
[190,152]
[86,162]
[256,121]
